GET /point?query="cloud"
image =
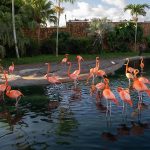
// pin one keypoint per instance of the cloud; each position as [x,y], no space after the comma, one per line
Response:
[117,3]
[113,12]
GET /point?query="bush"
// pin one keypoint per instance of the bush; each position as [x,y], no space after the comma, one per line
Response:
[67,44]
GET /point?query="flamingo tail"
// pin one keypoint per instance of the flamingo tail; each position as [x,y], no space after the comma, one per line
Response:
[148,92]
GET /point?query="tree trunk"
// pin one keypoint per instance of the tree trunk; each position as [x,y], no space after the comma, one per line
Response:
[135,39]
[38,33]
[57,39]
[14,29]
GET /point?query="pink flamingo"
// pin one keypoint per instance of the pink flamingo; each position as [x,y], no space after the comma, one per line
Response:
[64,60]
[142,65]
[13,94]
[75,75]
[139,87]
[4,86]
[108,95]
[125,96]
[52,79]
[93,71]
[128,75]
[100,87]
[11,68]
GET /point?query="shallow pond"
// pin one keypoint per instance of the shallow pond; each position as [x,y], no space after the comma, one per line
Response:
[68,119]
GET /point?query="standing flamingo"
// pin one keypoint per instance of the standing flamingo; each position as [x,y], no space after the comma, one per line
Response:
[130,69]
[108,95]
[74,76]
[64,60]
[142,65]
[13,94]
[52,79]
[11,68]
[4,86]
[140,87]
[128,75]
[93,71]
[125,96]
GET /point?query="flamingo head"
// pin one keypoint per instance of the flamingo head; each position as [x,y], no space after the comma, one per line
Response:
[136,71]
[97,58]
[79,58]
[66,55]
[119,89]
[127,59]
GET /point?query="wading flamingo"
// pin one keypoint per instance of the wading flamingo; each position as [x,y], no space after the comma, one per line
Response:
[64,60]
[75,75]
[100,87]
[109,96]
[11,68]
[93,71]
[3,86]
[130,69]
[13,94]
[142,65]
[125,96]
[52,79]
[139,87]
[79,58]
[128,75]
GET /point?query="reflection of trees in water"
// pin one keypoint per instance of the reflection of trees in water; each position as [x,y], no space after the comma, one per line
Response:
[11,115]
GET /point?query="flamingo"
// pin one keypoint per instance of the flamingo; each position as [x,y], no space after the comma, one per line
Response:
[79,58]
[64,60]
[52,79]
[139,86]
[4,86]
[73,75]
[130,69]
[11,68]
[100,87]
[128,75]
[142,65]
[125,96]
[93,71]
[108,95]
[14,94]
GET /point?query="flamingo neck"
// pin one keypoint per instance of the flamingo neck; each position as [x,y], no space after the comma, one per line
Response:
[48,69]
[69,69]
[79,64]
[6,80]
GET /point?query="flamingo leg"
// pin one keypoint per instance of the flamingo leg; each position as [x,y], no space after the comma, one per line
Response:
[17,100]
[107,108]
[129,83]
[110,108]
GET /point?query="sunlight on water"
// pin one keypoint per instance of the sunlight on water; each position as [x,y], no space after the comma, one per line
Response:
[63,118]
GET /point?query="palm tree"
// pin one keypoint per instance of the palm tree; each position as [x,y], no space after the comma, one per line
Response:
[14,29]
[98,28]
[136,9]
[42,11]
[59,10]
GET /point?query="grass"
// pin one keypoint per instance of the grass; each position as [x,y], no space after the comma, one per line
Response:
[52,58]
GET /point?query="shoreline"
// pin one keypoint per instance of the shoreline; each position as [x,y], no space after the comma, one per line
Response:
[30,75]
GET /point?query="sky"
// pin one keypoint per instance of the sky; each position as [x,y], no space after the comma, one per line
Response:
[112,9]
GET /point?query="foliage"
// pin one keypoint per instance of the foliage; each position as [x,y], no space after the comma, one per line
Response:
[123,36]
[98,28]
